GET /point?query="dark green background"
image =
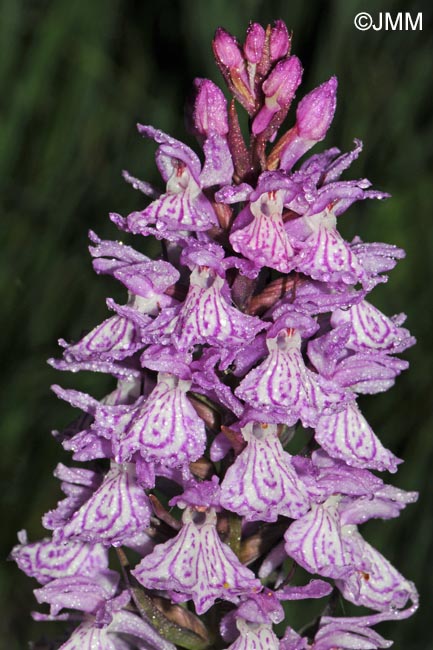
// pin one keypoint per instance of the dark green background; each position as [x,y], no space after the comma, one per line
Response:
[75,77]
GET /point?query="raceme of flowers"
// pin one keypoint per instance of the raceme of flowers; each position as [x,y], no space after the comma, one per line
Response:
[252,331]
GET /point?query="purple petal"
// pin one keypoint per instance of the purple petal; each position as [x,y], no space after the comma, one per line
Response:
[314,589]
[45,560]
[262,484]
[377,258]
[319,297]
[147,279]
[336,167]
[78,485]
[386,504]
[111,255]
[142,186]
[207,381]
[348,436]
[314,541]
[326,256]
[117,369]
[178,209]
[292,641]
[207,317]
[78,592]
[165,428]
[272,561]
[264,239]
[372,330]
[255,636]
[375,583]
[125,622]
[114,339]
[218,167]
[86,445]
[210,109]
[254,43]
[203,494]
[171,147]
[76,399]
[234,193]
[220,447]
[166,358]
[197,564]
[338,634]
[332,474]
[284,383]
[370,373]
[89,637]
[261,608]
[117,510]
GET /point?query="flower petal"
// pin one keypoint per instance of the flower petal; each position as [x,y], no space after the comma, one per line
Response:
[326,256]
[165,428]
[283,383]
[207,317]
[262,484]
[314,541]
[255,636]
[375,583]
[264,239]
[46,560]
[348,436]
[116,511]
[78,592]
[372,330]
[197,564]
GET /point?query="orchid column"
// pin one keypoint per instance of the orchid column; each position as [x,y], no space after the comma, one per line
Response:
[251,334]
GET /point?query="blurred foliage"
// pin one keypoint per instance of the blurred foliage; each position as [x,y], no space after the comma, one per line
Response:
[75,76]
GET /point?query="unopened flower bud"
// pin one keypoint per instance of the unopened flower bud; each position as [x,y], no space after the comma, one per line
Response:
[281,85]
[279,89]
[254,42]
[227,50]
[280,41]
[231,62]
[313,119]
[316,111]
[210,109]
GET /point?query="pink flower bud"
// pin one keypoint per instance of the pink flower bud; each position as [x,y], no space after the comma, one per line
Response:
[283,81]
[280,41]
[279,89]
[316,111]
[254,42]
[227,50]
[210,109]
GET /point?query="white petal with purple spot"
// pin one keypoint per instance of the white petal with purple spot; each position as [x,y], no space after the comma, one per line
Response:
[374,583]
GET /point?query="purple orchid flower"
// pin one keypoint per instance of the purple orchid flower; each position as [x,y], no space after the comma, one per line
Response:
[237,359]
